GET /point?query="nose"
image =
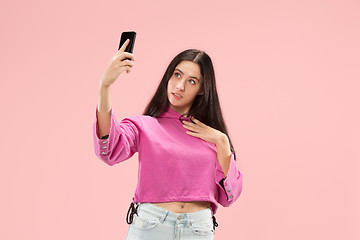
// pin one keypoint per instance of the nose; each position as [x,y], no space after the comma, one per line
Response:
[180,85]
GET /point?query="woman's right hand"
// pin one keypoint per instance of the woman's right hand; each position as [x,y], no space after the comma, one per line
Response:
[117,65]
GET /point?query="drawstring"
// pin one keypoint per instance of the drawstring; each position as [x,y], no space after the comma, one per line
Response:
[214,222]
[129,219]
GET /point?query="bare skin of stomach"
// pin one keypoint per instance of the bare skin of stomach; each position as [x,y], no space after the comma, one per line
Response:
[184,207]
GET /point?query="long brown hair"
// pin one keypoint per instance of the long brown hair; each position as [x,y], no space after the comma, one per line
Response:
[206,107]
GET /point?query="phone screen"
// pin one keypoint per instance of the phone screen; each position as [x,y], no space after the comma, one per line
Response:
[128,35]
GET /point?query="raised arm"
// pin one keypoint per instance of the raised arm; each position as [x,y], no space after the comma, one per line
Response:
[103,112]
[113,141]
[118,64]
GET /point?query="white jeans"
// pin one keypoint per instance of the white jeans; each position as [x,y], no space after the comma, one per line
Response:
[154,222]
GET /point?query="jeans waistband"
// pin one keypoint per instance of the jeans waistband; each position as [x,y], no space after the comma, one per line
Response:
[154,210]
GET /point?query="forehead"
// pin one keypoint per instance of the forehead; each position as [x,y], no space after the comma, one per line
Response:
[189,68]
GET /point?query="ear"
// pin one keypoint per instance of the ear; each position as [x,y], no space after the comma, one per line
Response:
[201,92]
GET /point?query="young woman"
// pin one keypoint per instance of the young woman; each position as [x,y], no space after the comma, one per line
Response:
[186,159]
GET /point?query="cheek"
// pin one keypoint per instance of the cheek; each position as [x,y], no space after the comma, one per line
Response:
[170,84]
[195,91]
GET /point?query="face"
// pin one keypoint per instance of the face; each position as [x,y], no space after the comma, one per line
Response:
[185,81]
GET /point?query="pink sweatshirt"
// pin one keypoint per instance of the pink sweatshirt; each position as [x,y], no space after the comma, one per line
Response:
[173,166]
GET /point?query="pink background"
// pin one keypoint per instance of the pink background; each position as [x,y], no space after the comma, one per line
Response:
[288,81]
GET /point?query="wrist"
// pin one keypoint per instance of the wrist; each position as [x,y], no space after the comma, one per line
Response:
[223,139]
[104,86]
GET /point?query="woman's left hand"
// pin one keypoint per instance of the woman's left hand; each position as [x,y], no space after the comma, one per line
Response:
[201,130]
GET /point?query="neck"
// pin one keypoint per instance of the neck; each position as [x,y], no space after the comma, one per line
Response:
[182,111]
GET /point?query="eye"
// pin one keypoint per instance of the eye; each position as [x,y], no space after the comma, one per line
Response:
[193,81]
[176,74]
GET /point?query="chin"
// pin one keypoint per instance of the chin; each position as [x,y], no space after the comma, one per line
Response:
[174,105]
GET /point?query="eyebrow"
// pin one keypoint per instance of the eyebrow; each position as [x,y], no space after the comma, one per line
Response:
[190,76]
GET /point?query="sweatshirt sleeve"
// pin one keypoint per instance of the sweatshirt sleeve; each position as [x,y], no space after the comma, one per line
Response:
[229,187]
[122,140]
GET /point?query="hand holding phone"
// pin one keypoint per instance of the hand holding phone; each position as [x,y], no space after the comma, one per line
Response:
[131,36]
[120,62]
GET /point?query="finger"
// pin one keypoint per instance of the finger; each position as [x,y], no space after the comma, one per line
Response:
[189,126]
[193,125]
[123,47]
[192,133]
[193,128]
[185,126]
[126,63]
[122,56]
[197,121]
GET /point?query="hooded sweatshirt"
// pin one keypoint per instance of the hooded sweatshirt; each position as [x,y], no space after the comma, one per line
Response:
[173,166]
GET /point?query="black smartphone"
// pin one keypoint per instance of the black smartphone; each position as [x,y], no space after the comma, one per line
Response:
[128,35]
